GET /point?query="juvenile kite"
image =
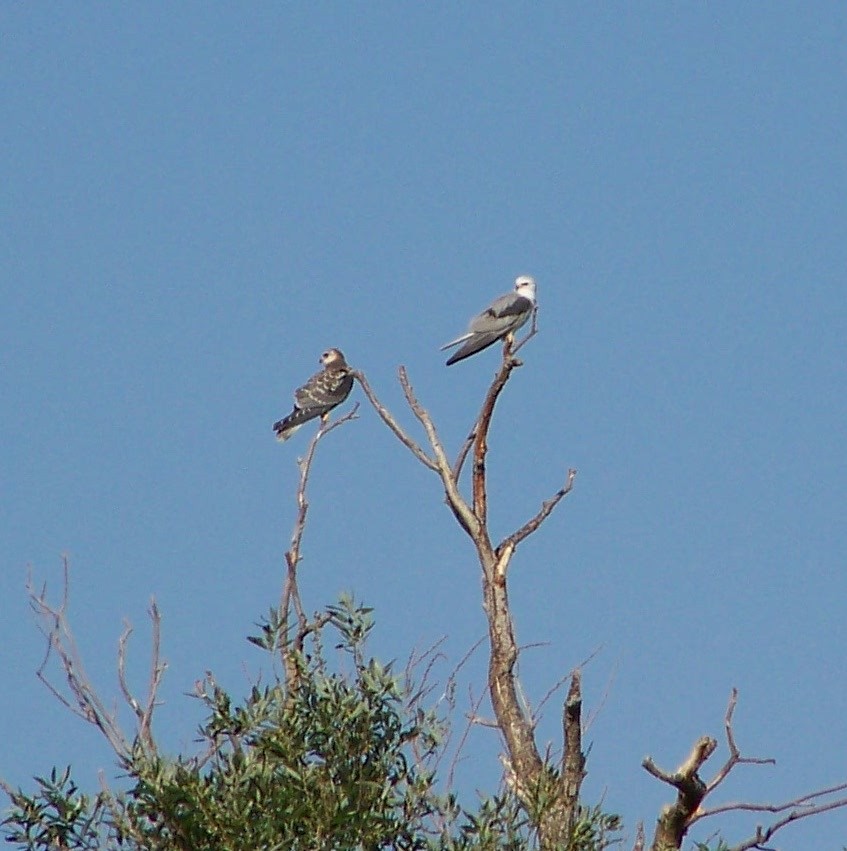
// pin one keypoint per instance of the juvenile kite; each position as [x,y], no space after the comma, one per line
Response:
[319,395]
[501,319]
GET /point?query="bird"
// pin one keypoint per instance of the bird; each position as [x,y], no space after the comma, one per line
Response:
[324,391]
[499,320]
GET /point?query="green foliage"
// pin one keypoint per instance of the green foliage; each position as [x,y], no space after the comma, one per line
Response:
[56,816]
[340,760]
[595,829]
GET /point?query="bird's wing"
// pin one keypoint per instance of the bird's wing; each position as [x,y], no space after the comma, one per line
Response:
[323,391]
[505,314]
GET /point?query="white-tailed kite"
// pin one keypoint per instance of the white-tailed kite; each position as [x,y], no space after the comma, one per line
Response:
[319,395]
[501,319]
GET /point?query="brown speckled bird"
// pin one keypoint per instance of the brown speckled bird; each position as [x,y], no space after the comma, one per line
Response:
[324,391]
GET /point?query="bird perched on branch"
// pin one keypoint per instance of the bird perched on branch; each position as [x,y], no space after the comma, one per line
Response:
[324,391]
[498,321]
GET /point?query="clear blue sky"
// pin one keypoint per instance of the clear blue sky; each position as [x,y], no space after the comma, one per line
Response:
[197,200]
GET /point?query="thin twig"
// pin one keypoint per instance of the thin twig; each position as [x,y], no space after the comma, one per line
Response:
[290,597]
[461,510]
[560,682]
[533,330]
[596,710]
[431,656]
[763,834]
[735,757]
[742,806]
[463,738]
[388,419]
[54,626]
[463,452]
[546,510]
[157,670]
[130,699]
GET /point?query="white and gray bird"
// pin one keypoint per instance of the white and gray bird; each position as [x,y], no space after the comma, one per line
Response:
[324,391]
[499,320]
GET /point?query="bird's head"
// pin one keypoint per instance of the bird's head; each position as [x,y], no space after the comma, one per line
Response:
[333,358]
[525,286]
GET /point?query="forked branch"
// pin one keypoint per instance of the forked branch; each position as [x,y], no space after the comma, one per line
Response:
[386,416]
[290,601]
[79,694]
[676,820]
[529,774]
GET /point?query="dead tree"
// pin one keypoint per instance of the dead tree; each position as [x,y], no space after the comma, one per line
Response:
[549,793]
[676,819]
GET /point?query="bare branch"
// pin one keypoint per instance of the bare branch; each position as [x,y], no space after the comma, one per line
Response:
[388,419]
[470,721]
[675,818]
[461,510]
[802,801]
[133,704]
[559,683]
[290,598]
[764,834]
[735,757]
[463,452]
[533,330]
[483,424]
[596,710]
[487,405]
[87,704]
[703,748]
[546,510]
[157,671]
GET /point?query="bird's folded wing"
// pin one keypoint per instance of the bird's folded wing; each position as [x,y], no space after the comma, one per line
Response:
[504,313]
[324,388]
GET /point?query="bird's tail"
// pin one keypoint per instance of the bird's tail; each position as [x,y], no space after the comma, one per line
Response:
[456,342]
[285,428]
[477,343]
